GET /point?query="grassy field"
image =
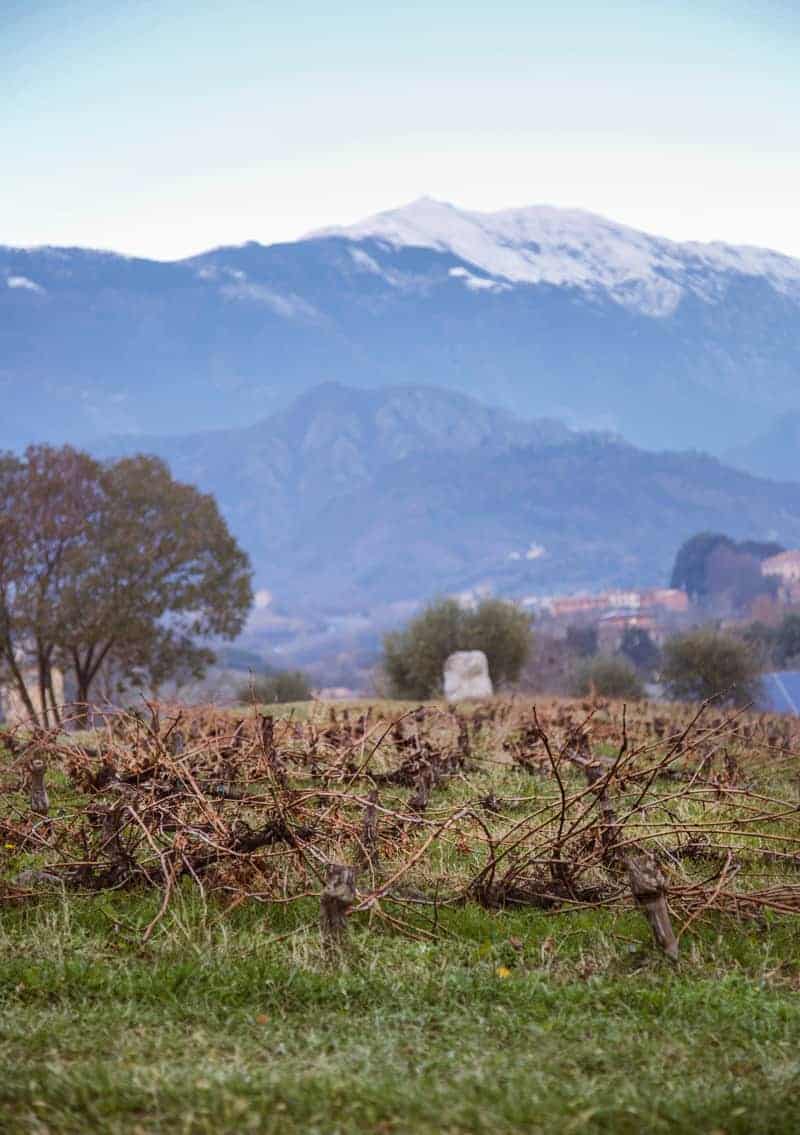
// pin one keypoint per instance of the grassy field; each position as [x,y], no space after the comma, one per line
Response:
[232,1018]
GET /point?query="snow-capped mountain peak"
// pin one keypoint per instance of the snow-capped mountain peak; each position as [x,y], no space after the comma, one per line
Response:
[542,244]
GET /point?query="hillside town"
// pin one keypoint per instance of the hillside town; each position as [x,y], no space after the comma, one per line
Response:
[662,611]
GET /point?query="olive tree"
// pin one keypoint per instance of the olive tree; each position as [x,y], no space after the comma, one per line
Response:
[708,663]
[608,677]
[414,657]
[279,686]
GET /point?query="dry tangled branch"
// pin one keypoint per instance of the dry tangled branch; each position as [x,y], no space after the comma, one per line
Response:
[675,811]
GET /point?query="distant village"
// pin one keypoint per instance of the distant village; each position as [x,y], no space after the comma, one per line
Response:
[659,611]
[662,611]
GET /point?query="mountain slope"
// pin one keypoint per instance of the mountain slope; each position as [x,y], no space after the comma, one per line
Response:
[573,248]
[581,515]
[773,453]
[549,313]
[274,479]
[352,499]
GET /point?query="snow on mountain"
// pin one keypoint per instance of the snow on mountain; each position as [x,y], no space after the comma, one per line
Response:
[24,283]
[569,247]
[549,312]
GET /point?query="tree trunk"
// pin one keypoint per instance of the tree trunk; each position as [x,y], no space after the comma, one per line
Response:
[42,672]
[19,682]
[55,707]
[81,708]
[86,670]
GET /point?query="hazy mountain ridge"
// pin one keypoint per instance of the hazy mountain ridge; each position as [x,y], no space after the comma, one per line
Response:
[774,453]
[351,499]
[594,512]
[272,479]
[557,314]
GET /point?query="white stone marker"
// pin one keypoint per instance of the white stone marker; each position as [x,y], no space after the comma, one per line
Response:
[466,675]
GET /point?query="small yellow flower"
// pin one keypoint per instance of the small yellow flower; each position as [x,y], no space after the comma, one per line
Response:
[503,971]
[10,846]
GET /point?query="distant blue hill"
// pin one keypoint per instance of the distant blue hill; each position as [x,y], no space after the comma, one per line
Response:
[352,498]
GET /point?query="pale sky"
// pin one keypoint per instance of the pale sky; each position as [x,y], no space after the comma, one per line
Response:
[163,127]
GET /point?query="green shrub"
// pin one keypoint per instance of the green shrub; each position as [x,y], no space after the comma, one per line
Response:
[707,663]
[415,656]
[609,677]
[280,686]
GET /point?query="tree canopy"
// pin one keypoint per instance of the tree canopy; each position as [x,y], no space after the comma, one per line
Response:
[113,568]
[279,686]
[708,663]
[414,657]
[787,640]
[638,647]
[608,677]
[710,564]
[689,570]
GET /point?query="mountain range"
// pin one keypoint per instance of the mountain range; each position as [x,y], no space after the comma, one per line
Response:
[352,499]
[547,313]
[431,401]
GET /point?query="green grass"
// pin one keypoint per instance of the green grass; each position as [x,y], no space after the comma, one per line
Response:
[239,1023]
[235,1021]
